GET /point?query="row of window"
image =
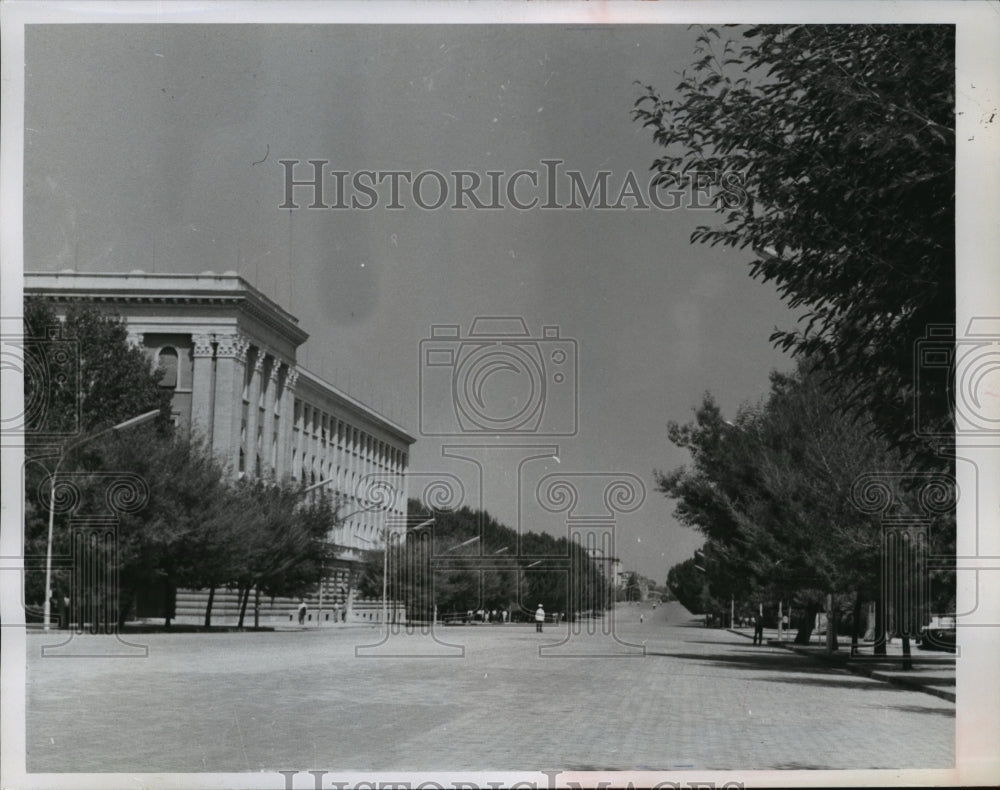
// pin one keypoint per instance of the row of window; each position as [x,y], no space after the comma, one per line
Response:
[327,448]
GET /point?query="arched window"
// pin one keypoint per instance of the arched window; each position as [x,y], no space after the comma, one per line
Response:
[167,360]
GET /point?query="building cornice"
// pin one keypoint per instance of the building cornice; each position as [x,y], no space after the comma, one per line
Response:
[227,290]
[352,404]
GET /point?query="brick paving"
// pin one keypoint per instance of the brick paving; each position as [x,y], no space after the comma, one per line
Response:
[700,698]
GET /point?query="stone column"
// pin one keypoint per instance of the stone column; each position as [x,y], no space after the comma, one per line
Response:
[299,443]
[287,411]
[338,455]
[266,449]
[202,386]
[253,396]
[230,358]
[351,482]
[401,482]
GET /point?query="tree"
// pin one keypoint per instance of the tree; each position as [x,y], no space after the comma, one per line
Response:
[835,148]
[686,581]
[773,494]
[116,380]
[185,530]
[81,376]
[501,579]
[281,545]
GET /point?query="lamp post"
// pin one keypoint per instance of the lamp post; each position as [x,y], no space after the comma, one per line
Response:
[449,550]
[130,423]
[457,545]
[342,519]
[385,569]
[322,575]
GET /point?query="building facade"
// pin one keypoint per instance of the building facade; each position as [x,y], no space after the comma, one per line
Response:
[228,352]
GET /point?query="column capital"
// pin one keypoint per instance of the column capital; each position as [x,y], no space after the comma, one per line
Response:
[291,377]
[202,344]
[135,339]
[258,363]
[233,345]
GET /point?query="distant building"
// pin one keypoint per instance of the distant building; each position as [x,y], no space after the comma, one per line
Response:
[229,354]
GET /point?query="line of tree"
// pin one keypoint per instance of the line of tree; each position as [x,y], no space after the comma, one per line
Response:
[774,494]
[467,561]
[196,526]
[841,140]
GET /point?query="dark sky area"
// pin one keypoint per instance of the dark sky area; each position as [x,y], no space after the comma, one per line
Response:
[158,147]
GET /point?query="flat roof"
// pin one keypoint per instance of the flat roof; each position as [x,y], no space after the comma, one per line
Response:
[338,394]
[138,285]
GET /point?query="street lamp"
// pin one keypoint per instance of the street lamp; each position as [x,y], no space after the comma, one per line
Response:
[342,519]
[385,569]
[130,423]
[322,575]
[457,545]
[732,598]
[448,551]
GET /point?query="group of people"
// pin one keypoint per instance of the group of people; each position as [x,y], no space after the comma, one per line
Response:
[503,616]
[488,615]
[484,615]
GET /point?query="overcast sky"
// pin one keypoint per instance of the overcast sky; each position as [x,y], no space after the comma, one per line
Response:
[158,148]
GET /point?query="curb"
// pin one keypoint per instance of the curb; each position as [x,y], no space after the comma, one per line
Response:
[857,669]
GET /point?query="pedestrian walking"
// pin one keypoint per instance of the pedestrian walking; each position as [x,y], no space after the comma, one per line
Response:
[758,630]
[64,621]
[539,618]
[302,612]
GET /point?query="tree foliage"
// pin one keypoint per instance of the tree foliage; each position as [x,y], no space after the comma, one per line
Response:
[774,494]
[840,141]
[196,527]
[115,381]
[467,561]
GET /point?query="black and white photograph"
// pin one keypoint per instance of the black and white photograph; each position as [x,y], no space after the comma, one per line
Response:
[540,395]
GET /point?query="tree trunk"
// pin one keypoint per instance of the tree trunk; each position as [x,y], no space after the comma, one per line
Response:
[256,608]
[169,602]
[806,629]
[879,627]
[208,606]
[244,596]
[856,624]
[123,607]
[831,625]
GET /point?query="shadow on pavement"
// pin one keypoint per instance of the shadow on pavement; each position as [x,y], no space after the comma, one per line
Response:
[762,662]
[788,671]
[950,713]
[741,642]
[837,681]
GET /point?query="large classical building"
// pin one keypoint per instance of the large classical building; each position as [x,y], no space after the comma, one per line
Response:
[229,354]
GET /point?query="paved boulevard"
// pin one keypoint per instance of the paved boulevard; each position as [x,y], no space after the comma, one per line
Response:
[700,698]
